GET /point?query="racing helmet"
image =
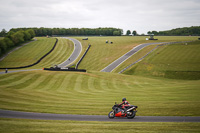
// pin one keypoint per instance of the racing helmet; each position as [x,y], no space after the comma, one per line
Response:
[123,99]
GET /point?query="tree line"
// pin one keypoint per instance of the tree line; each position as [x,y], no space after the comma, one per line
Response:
[134,33]
[14,38]
[74,31]
[186,31]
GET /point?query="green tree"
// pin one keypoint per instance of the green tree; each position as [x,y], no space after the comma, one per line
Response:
[128,32]
[155,32]
[27,35]
[8,42]
[3,33]
[17,37]
[10,33]
[31,32]
[149,32]
[3,46]
[116,33]
[134,33]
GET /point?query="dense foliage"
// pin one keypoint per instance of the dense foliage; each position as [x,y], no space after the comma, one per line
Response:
[14,38]
[3,33]
[74,31]
[186,31]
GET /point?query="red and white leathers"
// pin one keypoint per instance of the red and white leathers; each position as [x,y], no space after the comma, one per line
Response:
[125,104]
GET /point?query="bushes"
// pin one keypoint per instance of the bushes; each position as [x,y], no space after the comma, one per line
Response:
[15,38]
[186,31]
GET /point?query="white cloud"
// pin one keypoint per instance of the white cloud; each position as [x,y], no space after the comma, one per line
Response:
[142,16]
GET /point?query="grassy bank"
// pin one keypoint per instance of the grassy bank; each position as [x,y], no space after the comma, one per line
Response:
[24,126]
[29,53]
[32,52]
[102,54]
[179,61]
[96,92]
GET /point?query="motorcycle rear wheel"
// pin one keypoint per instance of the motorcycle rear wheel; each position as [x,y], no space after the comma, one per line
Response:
[111,114]
[131,116]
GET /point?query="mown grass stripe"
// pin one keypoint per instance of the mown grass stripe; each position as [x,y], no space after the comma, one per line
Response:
[59,79]
[66,86]
[77,83]
[9,79]
[29,80]
[18,81]
[44,83]
[49,83]
[91,86]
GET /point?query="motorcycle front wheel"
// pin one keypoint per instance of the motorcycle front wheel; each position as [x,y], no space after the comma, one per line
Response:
[111,115]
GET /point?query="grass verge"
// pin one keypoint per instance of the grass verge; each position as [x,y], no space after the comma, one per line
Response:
[24,126]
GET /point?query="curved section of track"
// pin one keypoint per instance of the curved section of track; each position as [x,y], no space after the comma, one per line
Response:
[48,116]
[74,55]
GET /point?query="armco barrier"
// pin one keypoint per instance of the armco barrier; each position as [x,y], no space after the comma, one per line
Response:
[35,62]
[83,56]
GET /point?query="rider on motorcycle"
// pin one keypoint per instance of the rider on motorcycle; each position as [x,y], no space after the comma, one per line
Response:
[125,104]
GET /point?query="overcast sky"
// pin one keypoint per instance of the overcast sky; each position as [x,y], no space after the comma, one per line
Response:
[139,15]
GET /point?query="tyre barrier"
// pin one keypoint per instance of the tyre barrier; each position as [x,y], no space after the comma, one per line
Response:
[64,69]
[36,61]
[82,56]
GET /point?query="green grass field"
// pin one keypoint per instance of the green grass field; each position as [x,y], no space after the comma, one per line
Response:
[28,54]
[32,52]
[181,61]
[95,92]
[41,126]
[102,54]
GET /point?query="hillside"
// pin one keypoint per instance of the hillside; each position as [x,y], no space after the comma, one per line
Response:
[101,54]
[95,92]
[32,52]
[181,61]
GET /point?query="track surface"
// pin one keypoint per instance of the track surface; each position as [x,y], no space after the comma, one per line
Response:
[47,116]
[123,58]
[74,55]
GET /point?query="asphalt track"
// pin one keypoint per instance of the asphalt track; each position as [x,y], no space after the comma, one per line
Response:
[48,116]
[123,58]
[74,55]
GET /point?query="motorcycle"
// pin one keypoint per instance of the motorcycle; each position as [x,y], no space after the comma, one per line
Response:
[119,112]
